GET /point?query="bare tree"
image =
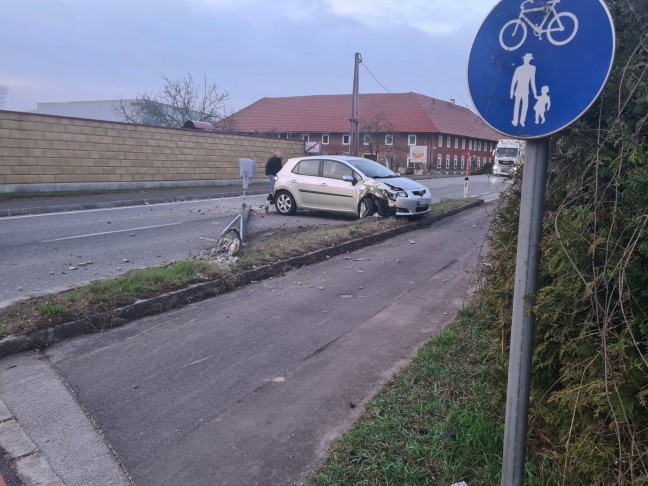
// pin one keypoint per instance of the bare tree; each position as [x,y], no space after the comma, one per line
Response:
[178,101]
[374,134]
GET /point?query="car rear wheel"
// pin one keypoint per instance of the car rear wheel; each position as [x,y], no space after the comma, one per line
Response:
[285,203]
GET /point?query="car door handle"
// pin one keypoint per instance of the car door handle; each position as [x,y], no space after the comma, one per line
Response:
[292,181]
[322,183]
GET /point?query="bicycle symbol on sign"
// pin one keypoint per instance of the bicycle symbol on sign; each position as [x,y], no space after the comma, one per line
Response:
[559,27]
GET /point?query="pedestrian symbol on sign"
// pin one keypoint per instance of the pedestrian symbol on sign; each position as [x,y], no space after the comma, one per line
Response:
[523,79]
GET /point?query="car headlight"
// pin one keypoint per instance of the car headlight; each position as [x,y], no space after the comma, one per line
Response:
[395,193]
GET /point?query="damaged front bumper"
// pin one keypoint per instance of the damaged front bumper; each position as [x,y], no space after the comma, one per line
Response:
[412,205]
[390,200]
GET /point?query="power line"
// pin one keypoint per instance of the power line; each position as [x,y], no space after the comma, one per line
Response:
[383,86]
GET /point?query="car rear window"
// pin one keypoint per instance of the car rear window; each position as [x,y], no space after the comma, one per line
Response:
[307,167]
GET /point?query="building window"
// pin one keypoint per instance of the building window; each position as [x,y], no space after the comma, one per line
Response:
[366,139]
[463,162]
[456,142]
[478,162]
[283,135]
[463,143]
[440,144]
[411,140]
[456,162]
[325,139]
[469,144]
[447,161]
[439,161]
[346,139]
[306,137]
[448,141]
[479,145]
[389,139]
[490,147]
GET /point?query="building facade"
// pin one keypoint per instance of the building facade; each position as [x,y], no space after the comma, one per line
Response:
[407,132]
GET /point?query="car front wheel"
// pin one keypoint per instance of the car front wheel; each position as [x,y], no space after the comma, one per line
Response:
[285,203]
[366,207]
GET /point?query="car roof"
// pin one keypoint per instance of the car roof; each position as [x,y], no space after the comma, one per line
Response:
[341,158]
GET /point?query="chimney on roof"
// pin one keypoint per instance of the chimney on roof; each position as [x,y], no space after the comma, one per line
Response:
[452,100]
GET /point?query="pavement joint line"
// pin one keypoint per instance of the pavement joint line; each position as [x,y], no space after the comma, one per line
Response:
[201,291]
[5,414]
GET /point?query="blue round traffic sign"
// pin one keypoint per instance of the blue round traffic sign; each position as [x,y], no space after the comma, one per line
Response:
[536,66]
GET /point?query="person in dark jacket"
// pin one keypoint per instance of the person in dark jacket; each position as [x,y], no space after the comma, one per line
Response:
[273,165]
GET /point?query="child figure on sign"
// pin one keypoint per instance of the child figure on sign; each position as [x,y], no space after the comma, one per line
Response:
[543,103]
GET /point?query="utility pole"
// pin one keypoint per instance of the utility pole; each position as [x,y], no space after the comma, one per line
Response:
[355,111]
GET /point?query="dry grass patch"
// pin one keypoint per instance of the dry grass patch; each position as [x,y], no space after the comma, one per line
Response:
[288,244]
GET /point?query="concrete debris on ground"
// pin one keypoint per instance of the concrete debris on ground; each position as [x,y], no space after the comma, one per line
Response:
[224,253]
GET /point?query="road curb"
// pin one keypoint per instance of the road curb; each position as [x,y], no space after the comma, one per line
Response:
[201,291]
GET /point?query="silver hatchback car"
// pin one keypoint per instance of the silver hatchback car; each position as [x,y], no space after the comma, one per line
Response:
[345,184]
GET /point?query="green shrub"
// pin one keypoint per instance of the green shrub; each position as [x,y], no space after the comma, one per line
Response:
[589,397]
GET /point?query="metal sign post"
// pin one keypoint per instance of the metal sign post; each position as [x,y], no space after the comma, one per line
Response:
[534,181]
[534,68]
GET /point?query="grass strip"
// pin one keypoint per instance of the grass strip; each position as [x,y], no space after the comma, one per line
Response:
[25,317]
[436,422]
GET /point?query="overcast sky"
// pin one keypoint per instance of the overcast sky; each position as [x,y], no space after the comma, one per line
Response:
[78,50]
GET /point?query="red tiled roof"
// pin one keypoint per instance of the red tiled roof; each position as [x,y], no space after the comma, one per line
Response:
[405,112]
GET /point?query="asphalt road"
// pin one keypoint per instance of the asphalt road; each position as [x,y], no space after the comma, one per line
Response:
[249,387]
[50,252]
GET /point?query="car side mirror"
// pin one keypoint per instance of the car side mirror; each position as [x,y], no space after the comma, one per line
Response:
[350,179]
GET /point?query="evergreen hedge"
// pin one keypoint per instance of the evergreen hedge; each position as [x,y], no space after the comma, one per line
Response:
[589,397]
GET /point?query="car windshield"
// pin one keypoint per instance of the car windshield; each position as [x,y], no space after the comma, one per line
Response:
[372,169]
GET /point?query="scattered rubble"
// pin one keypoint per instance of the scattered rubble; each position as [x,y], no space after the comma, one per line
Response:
[225,251]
